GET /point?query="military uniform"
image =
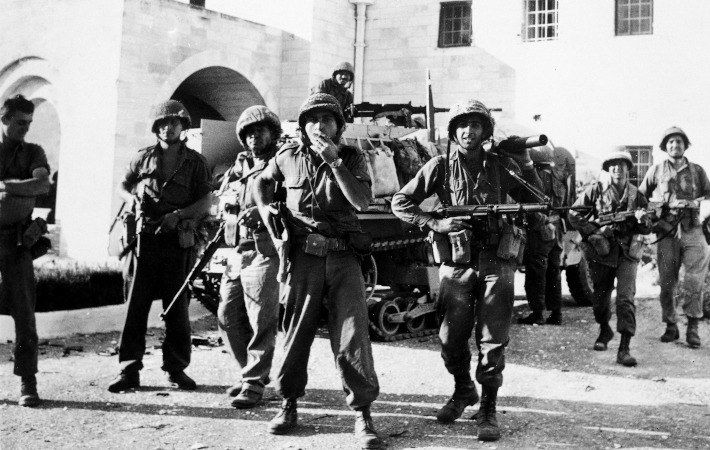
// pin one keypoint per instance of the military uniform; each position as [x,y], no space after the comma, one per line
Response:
[332,87]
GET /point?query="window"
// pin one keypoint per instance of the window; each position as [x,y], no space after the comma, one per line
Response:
[643,160]
[540,20]
[455,24]
[634,17]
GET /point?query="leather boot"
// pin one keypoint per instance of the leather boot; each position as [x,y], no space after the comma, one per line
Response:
[691,334]
[365,429]
[605,335]
[486,419]
[180,380]
[672,333]
[555,318]
[235,389]
[465,394]
[125,381]
[624,356]
[534,318]
[287,419]
[28,392]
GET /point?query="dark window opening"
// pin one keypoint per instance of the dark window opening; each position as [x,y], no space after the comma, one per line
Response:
[455,24]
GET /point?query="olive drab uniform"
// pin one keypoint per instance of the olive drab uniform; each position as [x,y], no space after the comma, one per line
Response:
[543,252]
[249,307]
[686,245]
[622,253]
[479,293]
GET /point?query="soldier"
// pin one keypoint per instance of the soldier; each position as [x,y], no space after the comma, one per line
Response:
[479,292]
[169,186]
[681,238]
[249,307]
[25,175]
[338,85]
[326,184]
[543,252]
[613,250]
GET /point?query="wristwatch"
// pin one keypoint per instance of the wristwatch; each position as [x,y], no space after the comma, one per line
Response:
[337,163]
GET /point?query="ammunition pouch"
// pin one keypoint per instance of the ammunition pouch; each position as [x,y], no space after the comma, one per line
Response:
[599,244]
[636,246]
[440,247]
[186,233]
[548,231]
[512,242]
[319,245]
[662,227]
[461,246]
[360,242]
[231,230]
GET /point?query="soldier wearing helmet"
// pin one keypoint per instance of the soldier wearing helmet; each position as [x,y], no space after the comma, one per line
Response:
[613,250]
[543,250]
[249,307]
[678,181]
[326,184]
[168,186]
[338,85]
[478,293]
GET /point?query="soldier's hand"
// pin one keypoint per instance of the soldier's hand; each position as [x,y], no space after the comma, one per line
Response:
[267,212]
[250,218]
[640,215]
[325,147]
[451,224]
[167,223]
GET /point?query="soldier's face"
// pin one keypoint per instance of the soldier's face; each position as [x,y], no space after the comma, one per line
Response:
[16,126]
[169,130]
[619,171]
[675,146]
[258,138]
[323,122]
[342,78]
[469,132]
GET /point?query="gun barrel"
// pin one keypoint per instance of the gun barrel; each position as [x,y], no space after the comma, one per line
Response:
[517,144]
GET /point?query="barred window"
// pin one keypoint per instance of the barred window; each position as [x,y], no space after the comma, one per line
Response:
[455,24]
[540,20]
[634,17]
[642,155]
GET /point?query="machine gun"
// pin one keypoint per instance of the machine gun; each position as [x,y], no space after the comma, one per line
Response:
[400,113]
[197,269]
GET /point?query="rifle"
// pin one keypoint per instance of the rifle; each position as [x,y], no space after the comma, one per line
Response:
[475,211]
[655,210]
[197,268]
[373,109]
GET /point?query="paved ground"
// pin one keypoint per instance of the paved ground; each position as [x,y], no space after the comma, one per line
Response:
[558,393]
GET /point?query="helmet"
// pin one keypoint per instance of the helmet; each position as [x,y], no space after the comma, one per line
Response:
[257,114]
[171,108]
[471,107]
[326,102]
[670,132]
[617,153]
[344,67]
[542,156]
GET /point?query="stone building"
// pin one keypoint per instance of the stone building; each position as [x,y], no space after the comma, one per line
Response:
[588,74]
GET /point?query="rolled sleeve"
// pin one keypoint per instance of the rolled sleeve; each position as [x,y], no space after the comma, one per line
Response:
[405,203]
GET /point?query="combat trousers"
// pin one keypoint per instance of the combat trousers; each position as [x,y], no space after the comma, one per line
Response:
[603,282]
[543,282]
[480,294]
[690,250]
[19,296]
[248,315]
[333,283]
[159,272]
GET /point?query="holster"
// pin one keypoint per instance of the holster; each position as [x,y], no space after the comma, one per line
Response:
[319,245]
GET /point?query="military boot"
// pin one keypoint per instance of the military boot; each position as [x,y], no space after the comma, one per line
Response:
[465,394]
[555,318]
[534,318]
[365,429]
[287,419]
[672,333]
[486,419]
[124,382]
[235,389]
[624,356]
[691,334]
[605,335]
[28,392]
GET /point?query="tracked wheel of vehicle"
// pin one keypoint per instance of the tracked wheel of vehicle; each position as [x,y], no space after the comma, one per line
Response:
[385,328]
[416,324]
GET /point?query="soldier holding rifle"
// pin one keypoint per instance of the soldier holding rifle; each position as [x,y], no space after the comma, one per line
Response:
[613,249]
[249,308]
[679,182]
[477,280]
[170,186]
